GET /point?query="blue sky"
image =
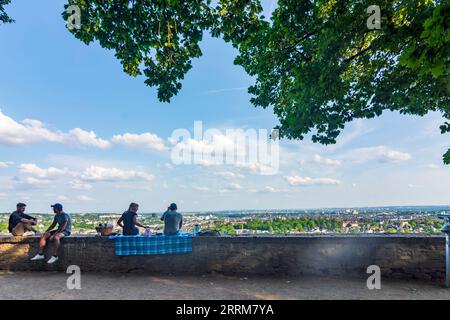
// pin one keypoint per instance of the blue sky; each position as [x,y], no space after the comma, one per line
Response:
[59,84]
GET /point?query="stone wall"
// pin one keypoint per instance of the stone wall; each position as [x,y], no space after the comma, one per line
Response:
[402,256]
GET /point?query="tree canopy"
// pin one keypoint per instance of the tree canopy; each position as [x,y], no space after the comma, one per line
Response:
[4,18]
[159,38]
[319,65]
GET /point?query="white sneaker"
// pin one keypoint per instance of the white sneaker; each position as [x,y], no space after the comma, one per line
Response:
[53,259]
[38,257]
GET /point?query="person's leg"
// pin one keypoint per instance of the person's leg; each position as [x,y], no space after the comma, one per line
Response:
[43,242]
[57,242]
[29,227]
[18,230]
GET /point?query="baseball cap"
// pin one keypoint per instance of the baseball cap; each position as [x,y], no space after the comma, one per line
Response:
[57,206]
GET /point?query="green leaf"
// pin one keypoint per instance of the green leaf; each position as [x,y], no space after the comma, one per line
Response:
[447,157]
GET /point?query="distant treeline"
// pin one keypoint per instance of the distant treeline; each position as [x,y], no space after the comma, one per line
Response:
[280,225]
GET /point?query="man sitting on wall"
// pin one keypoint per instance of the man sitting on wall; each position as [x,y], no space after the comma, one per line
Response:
[64,223]
[20,223]
[173,220]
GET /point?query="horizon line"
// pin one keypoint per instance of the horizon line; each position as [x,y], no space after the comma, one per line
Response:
[263,210]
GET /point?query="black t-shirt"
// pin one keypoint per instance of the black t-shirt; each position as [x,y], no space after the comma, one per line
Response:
[15,218]
[129,228]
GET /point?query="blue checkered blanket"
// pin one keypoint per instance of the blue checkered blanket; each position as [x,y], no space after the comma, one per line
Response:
[149,245]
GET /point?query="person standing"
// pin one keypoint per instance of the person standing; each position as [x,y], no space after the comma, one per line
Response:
[64,223]
[20,223]
[128,221]
[173,220]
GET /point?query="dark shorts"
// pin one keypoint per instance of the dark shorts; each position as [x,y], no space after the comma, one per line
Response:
[172,234]
[131,232]
[65,233]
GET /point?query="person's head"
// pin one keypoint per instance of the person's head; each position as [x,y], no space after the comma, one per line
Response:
[134,207]
[57,208]
[21,207]
[173,207]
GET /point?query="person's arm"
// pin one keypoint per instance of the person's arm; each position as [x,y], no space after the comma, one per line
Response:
[119,222]
[137,223]
[28,219]
[51,226]
[62,227]
[163,216]
[17,217]
[181,222]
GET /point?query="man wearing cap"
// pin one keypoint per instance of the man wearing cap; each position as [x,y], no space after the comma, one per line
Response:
[173,220]
[64,223]
[21,223]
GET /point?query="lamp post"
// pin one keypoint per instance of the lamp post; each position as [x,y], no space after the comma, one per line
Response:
[446,230]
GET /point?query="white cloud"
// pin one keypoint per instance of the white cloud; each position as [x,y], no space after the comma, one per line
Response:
[22,196]
[235,186]
[238,148]
[254,167]
[172,141]
[307,181]
[326,161]
[34,131]
[148,141]
[80,185]
[7,164]
[228,174]
[95,173]
[218,144]
[379,153]
[168,166]
[201,188]
[29,131]
[231,187]
[49,173]
[85,198]
[269,189]
[62,198]
[31,182]
[87,138]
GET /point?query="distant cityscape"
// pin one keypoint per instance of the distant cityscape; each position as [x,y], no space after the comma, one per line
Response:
[374,220]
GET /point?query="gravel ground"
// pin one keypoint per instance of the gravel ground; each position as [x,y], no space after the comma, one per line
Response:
[49,285]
